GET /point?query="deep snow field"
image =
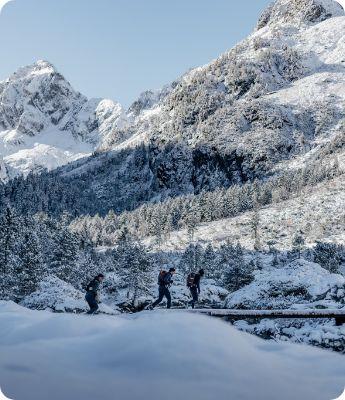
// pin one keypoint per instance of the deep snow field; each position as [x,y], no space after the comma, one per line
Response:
[154,356]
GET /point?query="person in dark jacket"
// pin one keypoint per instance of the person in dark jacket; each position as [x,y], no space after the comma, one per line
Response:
[163,290]
[92,293]
[195,287]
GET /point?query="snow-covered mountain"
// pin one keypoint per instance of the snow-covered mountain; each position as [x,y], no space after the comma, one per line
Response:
[45,123]
[276,96]
[276,100]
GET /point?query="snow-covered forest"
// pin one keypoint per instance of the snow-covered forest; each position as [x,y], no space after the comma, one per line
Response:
[237,167]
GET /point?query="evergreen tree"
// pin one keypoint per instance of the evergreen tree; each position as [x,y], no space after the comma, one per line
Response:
[272,250]
[134,266]
[209,262]
[328,255]
[237,272]
[191,259]
[9,242]
[255,225]
[31,269]
[65,253]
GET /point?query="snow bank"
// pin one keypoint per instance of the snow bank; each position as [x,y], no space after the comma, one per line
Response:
[154,355]
[311,332]
[301,281]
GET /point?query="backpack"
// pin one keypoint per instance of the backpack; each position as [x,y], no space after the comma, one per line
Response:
[161,277]
[190,279]
[90,285]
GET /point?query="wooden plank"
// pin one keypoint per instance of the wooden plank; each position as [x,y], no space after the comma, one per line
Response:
[261,314]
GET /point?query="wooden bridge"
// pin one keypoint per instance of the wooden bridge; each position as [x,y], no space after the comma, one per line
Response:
[338,315]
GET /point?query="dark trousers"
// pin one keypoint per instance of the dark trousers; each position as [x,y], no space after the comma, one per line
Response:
[195,295]
[163,292]
[91,301]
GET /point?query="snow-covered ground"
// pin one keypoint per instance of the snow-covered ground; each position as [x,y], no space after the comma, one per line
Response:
[50,149]
[154,356]
[318,213]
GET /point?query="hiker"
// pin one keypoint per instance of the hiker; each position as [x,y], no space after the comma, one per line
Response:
[164,282]
[193,283]
[92,293]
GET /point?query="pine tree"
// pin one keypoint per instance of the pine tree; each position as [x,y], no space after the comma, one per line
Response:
[65,253]
[209,263]
[191,259]
[272,249]
[134,266]
[30,269]
[87,267]
[9,242]
[328,255]
[255,224]
[237,272]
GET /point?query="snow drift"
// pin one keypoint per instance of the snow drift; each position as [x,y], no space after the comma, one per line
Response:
[300,282]
[154,355]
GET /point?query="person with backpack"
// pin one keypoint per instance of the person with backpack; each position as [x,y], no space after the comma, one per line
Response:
[164,282]
[193,283]
[92,293]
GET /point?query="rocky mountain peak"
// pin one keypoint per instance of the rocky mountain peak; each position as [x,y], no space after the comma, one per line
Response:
[297,12]
[40,67]
[35,97]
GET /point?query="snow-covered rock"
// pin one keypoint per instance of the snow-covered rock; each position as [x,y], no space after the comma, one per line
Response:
[299,282]
[154,355]
[317,333]
[299,12]
[3,170]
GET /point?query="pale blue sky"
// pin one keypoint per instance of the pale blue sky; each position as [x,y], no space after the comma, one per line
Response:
[118,48]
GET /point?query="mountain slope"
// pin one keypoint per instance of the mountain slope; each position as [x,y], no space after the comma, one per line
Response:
[273,102]
[275,99]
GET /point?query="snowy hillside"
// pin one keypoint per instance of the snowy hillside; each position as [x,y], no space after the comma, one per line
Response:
[317,213]
[152,356]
